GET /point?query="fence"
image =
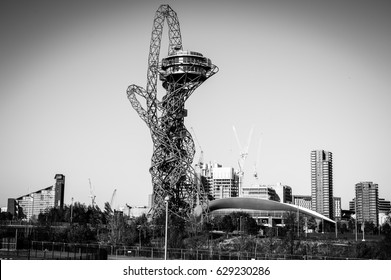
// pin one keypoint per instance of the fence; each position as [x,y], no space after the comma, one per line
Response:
[194,254]
[41,250]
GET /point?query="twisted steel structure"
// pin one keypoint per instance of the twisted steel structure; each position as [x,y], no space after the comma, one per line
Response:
[173,148]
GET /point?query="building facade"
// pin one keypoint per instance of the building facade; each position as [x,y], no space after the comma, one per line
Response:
[367,202]
[352,205]
[384,210]
[384,206]
[37,202]
[260,191]
[302,200]
[322,183]
[221,182]
[284,192]
[337,208]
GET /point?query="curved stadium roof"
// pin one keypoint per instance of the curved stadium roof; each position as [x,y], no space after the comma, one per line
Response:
[243,203]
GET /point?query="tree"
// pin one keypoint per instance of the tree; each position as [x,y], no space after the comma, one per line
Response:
[79,213]
[311,223]
[5,216]
[217,223]
[252,226]
[50,216]
[369,227]
[227,224]
[352,224]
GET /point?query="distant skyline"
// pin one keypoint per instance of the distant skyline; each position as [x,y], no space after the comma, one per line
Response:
[308,75]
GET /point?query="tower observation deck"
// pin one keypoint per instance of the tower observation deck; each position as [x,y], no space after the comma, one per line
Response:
[181,72]
[193,64]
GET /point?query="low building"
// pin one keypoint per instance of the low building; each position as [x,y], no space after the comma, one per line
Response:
[384,206]
[137,211]
[384,210]
[261,192]
[284,192]
[32,204]
[262,210]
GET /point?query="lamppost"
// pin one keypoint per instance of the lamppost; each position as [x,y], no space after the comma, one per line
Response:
[298,222]
[356,216]
[72,210]
[139,236]
[306,226]
[363,229]
[166,199]
[32,205]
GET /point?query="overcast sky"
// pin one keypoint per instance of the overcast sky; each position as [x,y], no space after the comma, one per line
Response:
[306,74]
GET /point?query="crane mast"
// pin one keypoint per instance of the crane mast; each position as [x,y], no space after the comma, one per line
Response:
[92,195]
[112,199]
[243,153]
[181,72]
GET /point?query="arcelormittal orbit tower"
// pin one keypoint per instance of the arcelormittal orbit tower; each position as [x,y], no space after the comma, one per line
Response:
[181,72]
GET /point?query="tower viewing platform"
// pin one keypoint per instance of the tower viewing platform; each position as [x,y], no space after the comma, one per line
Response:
[184,67]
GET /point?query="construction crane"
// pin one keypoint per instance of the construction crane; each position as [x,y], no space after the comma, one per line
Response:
[92,195]
[181,72]
[112,199]
[256,164]
[243,153]
[129,207]
[201,158]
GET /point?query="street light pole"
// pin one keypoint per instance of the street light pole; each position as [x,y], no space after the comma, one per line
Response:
[306,226]
[298,222]
[166,199]
[356,216]
[139,236]
[72,210]
[363,230]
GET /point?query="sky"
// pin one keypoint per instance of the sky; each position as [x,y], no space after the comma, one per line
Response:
[305,74]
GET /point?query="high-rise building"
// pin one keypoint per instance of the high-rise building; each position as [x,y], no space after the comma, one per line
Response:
[337,208]
[322,183]
[352,205]
[302,200]
[59,191]
[34,203]
[367,202]
[222,182]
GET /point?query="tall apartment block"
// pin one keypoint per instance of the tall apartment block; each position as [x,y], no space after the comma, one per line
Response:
[322,183]
[367,202]
[337,208]
[352,205]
